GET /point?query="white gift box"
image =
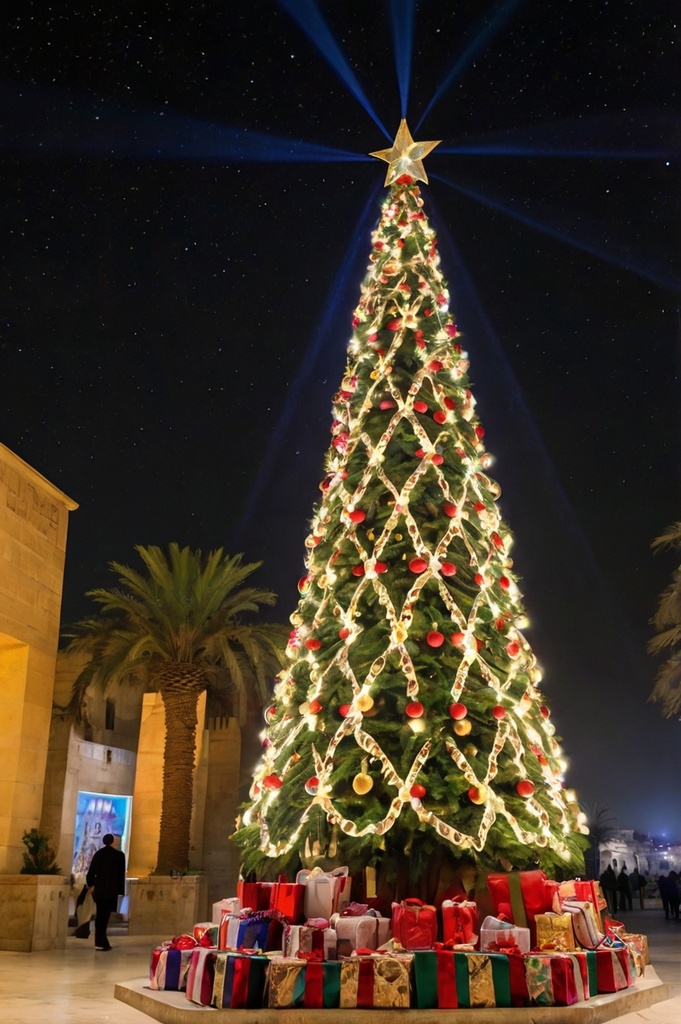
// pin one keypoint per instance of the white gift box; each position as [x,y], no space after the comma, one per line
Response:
[305,938]
[326,892]
[366,932]
[230,906]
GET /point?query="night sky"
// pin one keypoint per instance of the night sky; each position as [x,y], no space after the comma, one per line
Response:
[187,206]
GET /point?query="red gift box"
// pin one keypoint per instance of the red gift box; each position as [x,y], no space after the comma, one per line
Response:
[613,972]
[520,896]
[459,921]
[288,898]
[553,979]
[414,924]
[255,895]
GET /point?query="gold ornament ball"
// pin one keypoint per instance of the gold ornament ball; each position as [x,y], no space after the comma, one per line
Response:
[463,727]
[362,783]
[364,702]
[470,750]
[477,794]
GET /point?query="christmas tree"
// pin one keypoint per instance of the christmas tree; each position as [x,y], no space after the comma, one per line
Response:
[408,725]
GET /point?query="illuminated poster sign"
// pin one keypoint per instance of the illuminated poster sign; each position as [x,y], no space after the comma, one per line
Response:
[97,814]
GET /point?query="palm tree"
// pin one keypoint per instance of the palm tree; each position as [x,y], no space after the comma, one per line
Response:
[177,629]
[667,622]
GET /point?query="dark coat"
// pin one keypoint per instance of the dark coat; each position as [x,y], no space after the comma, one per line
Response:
[107,873]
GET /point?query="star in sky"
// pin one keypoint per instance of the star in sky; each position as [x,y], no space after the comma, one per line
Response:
[405,156]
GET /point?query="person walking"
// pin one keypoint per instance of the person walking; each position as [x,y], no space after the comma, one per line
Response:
[608,882]
[624,890]
[106,880]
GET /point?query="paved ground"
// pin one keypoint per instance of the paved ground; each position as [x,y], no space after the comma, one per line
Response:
[75,985]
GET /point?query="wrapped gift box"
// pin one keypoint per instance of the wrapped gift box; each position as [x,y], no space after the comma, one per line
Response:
[414,924]
[378,980]
[263,930]
[313,984]
[502,935]
[200,976]
[229,930]
[612,969]
[553,979]
[368,931]
[229,906]
[324,892]
[450,980]
[255,895]
[555,932]
[289,899]
[168,968]
[587,961]
[521,895]
[239,981]
[306,938]
[459,921]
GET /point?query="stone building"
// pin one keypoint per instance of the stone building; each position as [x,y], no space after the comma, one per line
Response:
[53,766]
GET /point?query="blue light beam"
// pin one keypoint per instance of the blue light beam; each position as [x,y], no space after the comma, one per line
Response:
[616,253]
[64,124]
[634,135]
[333,313]
[309,19]
[492,24]
[402,20]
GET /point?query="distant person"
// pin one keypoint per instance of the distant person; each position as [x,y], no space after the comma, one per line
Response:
[608,882]
[634,881]
[106,881]
[674,894]
[664,886]
[624,890]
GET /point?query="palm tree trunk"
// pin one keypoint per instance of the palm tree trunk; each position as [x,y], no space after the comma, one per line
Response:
[178,777]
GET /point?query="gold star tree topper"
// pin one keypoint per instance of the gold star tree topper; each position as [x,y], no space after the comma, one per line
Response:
[405,156]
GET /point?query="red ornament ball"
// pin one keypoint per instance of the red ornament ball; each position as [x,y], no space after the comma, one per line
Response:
[525,788]
[420,406]
[356,516]
[447,569]
[440,416]
[380,567]
[312,785]
[544,711]
[504,582]
[418,565]
[272,782]
[344,633]
[414,709]
[449,509]
[435,638]
[499,712]
[435,366]
[458,639]
[358,570]
[312,643]
[418,791]
[315,707]
[513,649]
[437,459]
[458,711]
[344,710]
[450,403]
